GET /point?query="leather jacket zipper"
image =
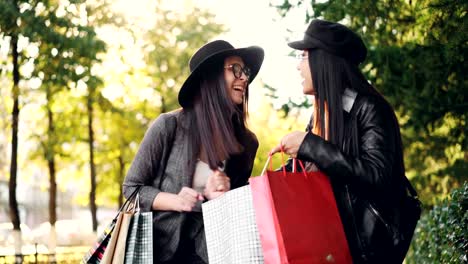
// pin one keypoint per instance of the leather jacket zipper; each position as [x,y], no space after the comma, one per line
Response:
[377,214]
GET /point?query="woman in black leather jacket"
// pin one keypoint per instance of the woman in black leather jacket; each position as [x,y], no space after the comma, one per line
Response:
[354,138]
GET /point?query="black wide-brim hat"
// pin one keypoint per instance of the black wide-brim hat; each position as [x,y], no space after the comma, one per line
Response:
[334,38]
[213,52]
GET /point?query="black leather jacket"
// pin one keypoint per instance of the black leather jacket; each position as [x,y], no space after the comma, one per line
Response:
[366,173]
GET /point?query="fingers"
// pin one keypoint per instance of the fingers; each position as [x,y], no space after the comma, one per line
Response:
[200,197]
[221,181]
[189,194]
[188,197]
[185,206]
[217,184]
[275,149]
[290,143]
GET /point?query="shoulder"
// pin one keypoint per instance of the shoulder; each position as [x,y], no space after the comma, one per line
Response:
[163,117]
[376,122]
[164,122]
[374,109]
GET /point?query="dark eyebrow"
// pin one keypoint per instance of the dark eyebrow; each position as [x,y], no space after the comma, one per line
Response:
[237,62]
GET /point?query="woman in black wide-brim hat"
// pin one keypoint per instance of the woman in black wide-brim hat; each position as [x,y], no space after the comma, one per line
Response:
[354,138]
[198,152]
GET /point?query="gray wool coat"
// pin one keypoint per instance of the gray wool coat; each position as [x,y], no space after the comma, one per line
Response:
[161,165]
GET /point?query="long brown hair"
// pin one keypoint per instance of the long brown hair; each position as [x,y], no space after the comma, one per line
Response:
[217,125]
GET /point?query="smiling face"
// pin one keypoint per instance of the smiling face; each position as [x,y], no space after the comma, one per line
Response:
[304,69]
[236,87]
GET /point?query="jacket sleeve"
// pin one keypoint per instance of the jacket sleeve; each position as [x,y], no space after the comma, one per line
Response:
[372,168]
[146,163]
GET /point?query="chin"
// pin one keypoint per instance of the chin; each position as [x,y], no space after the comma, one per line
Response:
[237,101]
[308,91]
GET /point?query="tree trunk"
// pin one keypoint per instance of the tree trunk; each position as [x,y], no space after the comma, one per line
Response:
[50,157]
[13,203]
[163,105]
[53,192]
[92,167]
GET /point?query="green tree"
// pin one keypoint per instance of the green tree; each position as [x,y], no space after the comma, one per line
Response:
[58,65]
[10,17]
[416,58]
[67,47]
[88,57]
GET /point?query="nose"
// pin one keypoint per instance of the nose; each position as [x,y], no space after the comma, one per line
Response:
[243,76]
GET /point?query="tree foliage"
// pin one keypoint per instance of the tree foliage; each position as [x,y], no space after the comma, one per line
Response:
[416,58]
[442,235]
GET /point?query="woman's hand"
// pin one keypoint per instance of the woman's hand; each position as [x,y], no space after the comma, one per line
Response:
[184,201]
[217,184]
[290,143]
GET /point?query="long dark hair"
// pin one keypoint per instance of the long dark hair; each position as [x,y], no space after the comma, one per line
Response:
[216,123]
[331,75]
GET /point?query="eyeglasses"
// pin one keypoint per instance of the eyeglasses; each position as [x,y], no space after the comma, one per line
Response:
[237,70]
[301,56]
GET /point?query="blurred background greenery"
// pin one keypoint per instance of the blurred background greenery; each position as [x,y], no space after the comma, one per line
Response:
[80,81]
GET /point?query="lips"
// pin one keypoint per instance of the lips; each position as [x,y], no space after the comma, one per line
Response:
[238,88]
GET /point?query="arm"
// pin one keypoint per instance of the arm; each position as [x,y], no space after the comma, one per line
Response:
[145,167]
[373,167]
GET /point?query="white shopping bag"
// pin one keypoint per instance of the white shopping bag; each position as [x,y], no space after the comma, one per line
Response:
[231,231]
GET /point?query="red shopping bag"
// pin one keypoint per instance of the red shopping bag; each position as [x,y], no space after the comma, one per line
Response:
[298,219]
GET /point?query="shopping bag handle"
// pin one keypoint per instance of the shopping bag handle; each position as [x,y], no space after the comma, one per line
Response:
[136,209]
[300,164]
[271,166]
[130,198]
[266,165]
[268,162]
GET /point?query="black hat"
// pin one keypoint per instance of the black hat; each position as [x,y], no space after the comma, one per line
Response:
[214,51]
[333,38]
